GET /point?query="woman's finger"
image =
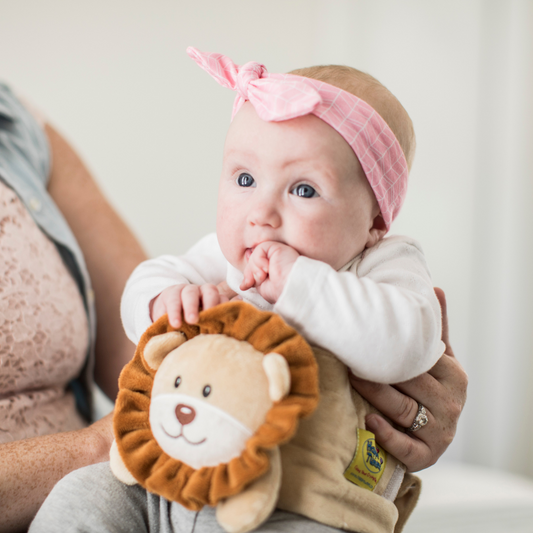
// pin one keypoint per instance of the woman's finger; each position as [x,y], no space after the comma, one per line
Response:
[424,389]
[441,297]
[401,409]
[409,450]
[448,370]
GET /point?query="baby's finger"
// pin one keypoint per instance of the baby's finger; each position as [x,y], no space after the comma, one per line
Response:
[259,258]
[223,299]
[190,301]
[248,280]
[225,292]
[259,275]
[157,309]
[174,315]
[210,296]
[171,305]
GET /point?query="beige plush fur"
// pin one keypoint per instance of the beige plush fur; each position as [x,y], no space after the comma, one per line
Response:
[251,507]
[118,467]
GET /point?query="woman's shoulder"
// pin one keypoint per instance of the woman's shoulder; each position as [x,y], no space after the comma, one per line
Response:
[24,149]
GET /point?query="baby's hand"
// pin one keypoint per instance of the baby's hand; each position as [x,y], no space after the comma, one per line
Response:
[185,298]
[268,268]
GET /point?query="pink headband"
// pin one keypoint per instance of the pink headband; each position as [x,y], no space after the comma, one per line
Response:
[278,97]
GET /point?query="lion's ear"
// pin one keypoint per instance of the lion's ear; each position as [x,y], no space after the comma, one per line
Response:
[278,374]
[158,347]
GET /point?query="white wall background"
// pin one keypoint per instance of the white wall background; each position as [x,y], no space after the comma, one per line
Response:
[113,76]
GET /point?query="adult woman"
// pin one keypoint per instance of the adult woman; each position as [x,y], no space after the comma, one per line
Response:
[29,467]
[47,306]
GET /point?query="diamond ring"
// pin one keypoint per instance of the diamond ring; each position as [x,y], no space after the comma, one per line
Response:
[421,418]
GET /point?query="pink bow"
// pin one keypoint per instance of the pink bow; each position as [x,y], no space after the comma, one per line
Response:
[274,99]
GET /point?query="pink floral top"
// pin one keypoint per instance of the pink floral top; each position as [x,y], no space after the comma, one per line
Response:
[43,329]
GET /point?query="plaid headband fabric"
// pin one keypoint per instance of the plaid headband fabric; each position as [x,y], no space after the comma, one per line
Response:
[278,97]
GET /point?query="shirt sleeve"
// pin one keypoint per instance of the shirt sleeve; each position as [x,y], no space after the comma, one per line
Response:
[203,263]
[381,317]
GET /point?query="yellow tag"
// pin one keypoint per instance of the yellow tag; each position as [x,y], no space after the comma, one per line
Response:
[368,462]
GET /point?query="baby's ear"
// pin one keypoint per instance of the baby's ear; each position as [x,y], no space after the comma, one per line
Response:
[158,347]
[376,232]
[278,374]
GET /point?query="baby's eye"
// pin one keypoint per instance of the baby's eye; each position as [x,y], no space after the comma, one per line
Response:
[304,191]
[177,382]
[245,180]
[207,391]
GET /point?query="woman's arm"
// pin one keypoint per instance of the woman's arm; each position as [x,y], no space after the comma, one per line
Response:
[30,468]
[442,391]
[110,250]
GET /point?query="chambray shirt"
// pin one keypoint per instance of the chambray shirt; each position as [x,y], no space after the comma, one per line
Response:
[25,162]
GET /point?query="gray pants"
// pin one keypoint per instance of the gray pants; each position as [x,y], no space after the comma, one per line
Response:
[92,500]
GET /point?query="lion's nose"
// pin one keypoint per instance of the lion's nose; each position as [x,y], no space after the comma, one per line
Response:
[185,414]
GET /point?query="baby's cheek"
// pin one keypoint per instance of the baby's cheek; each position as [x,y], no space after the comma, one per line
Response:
[313,240]
[232,249]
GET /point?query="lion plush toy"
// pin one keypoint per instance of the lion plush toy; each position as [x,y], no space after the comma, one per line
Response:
[202,410]
[209,414]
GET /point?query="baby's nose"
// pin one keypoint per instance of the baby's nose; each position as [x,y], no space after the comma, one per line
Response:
[265,214]
[185,414]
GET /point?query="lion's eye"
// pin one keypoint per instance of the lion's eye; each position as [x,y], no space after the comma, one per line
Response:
[177,382]
[207,391]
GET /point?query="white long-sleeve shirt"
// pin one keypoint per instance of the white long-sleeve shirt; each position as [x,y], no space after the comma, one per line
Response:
[378,314]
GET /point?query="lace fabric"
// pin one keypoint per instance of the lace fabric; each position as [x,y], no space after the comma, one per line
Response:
[43,329]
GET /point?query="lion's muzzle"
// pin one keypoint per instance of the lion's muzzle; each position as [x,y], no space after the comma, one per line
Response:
[195,431]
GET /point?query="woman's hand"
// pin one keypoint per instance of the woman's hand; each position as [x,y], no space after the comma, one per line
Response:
[442,391]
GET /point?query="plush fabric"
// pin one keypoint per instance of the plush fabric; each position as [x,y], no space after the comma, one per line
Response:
[407,499]
[176,481]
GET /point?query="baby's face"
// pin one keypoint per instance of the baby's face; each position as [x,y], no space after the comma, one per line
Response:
[296,182]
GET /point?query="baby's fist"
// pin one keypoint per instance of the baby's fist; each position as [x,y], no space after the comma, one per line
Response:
[268,268]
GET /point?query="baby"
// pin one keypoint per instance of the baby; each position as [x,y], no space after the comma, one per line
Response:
[312,178]
[314,172]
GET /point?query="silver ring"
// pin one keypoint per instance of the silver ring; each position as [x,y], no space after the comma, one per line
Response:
[421,418]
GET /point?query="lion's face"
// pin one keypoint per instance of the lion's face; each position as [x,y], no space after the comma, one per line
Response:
[208,398]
